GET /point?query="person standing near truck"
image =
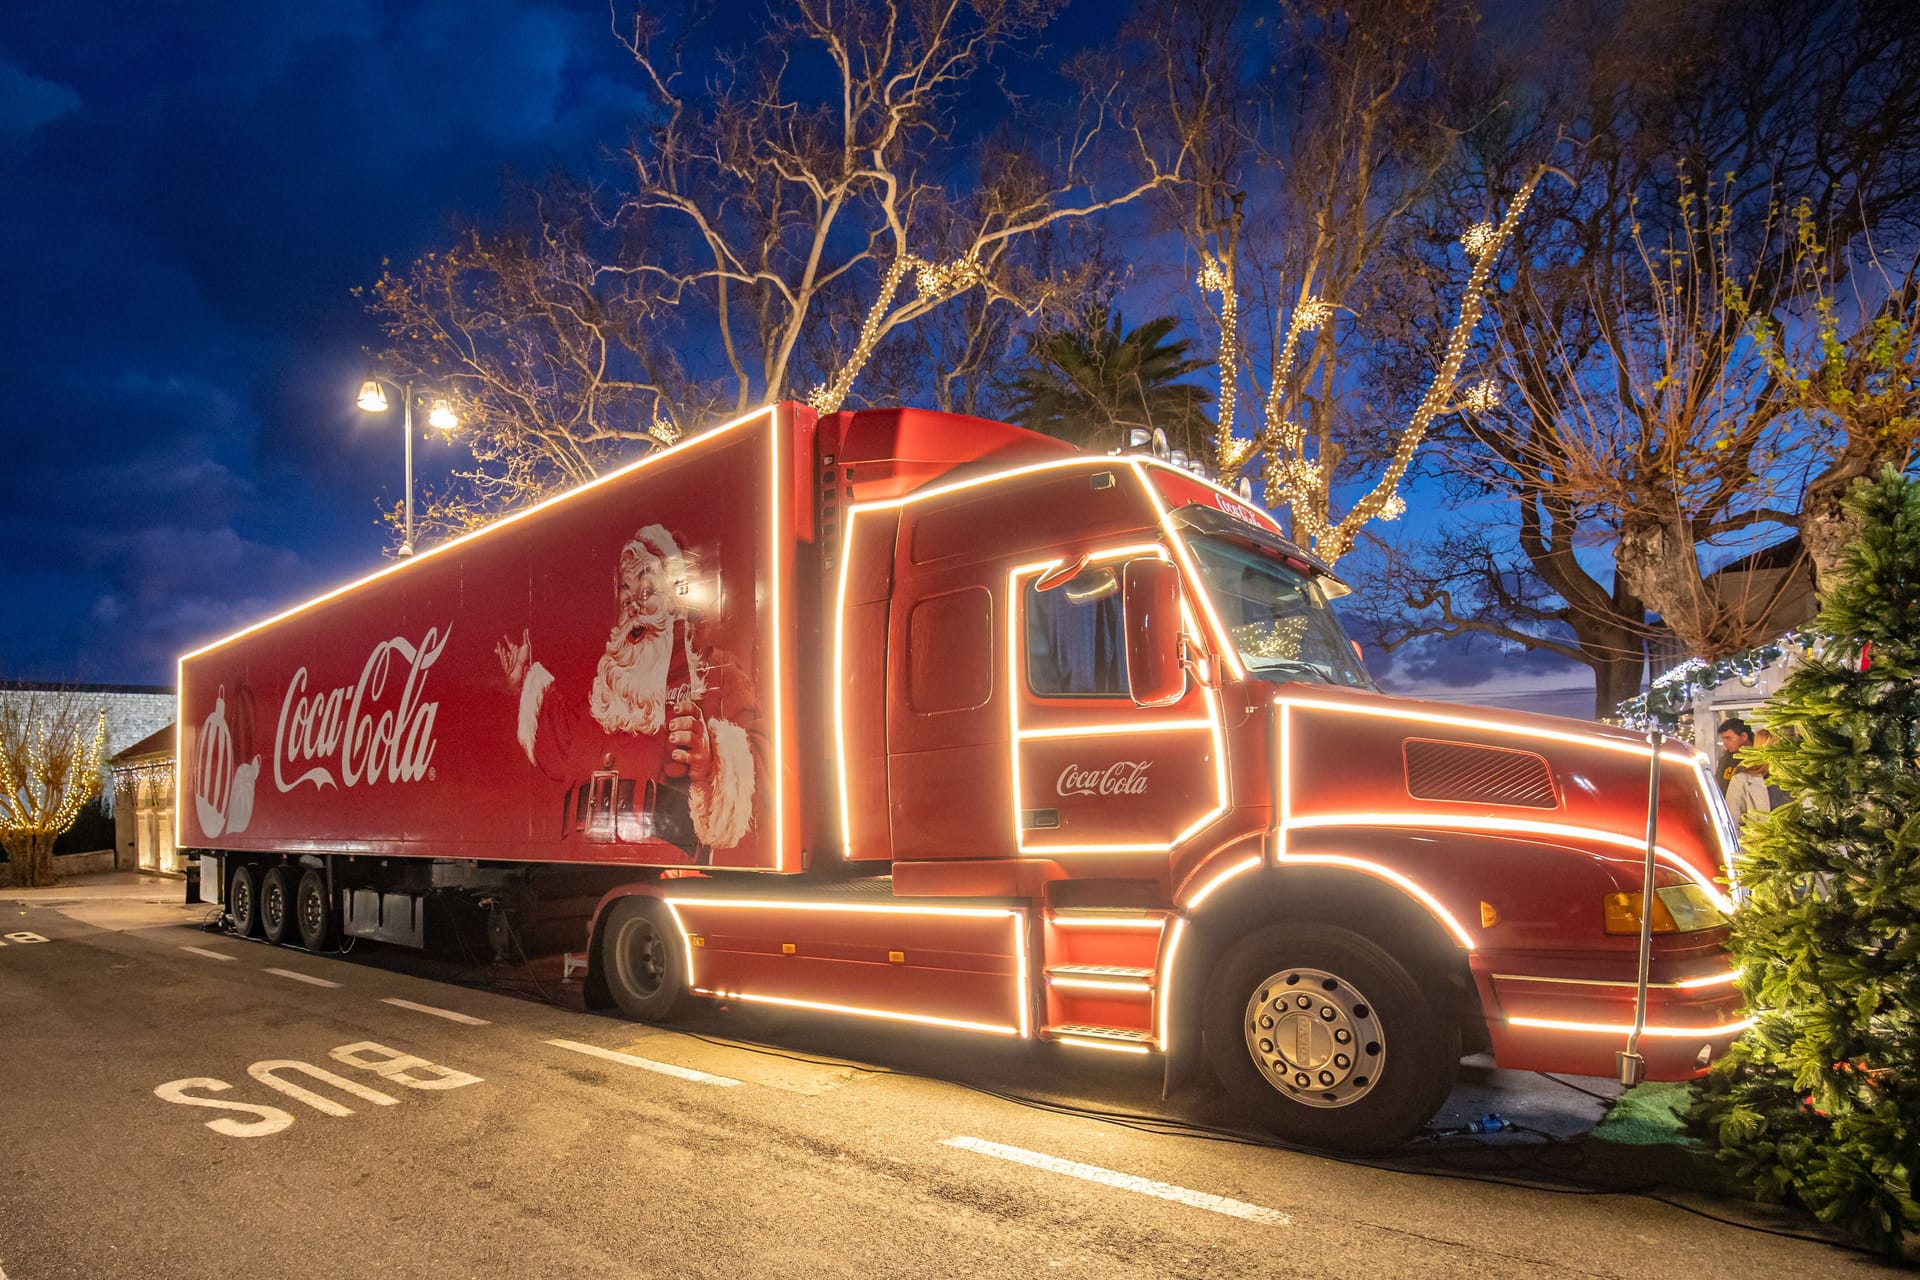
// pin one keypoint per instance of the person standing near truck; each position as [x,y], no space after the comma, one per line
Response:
[1734,734]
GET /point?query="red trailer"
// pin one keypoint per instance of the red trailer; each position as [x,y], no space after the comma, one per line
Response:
[905,715]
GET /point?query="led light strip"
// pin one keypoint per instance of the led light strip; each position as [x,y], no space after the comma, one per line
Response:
[1531,732]
[1097,984]
[1107,922]
[778,565]
[1513,826]
[1688,984]
[887,1015]
[1222,638]
[1023,1026]
[1111,1046]
[1623,1028]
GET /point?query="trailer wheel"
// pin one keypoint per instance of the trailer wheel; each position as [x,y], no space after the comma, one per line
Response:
[243,900]
[276,906]
[1326,1039]
[641,956]
[313,911]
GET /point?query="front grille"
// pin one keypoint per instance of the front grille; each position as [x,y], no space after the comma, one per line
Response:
[1473,774]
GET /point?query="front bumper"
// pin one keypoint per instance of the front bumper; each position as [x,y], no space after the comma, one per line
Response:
[1571,1013]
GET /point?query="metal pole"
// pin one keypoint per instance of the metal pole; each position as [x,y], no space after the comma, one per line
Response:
[406,547]
[1632,1065]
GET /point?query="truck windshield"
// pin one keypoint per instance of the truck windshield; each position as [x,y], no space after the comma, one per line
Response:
[1278,617]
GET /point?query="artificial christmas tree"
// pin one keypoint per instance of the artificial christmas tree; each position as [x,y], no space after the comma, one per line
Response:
[1819,1103]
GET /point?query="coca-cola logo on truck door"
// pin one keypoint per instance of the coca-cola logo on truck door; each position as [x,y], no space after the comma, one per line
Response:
[347,736]
[1121,778]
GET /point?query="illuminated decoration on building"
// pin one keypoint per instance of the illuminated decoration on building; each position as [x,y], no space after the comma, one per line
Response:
[1021,1027]
[724,431]
[1672,693]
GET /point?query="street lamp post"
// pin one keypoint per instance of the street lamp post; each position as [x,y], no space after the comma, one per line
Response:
[439,415]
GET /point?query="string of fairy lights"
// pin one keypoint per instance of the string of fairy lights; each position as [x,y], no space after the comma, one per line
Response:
[1672,695]
[1302,480]
[935,282]
[43,789]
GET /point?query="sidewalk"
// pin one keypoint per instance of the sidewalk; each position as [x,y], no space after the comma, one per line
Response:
[107,886]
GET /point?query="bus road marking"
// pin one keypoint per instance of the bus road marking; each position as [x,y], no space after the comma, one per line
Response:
[1124,1181]
[200,951]
[463,1018]
[302,977]
[645,1064]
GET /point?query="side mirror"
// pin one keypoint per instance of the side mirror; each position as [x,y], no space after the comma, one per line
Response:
[1150,594]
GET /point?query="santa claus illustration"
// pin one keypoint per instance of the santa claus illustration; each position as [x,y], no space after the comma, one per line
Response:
[665,745]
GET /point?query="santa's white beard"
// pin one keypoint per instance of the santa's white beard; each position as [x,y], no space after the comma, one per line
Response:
[630,690]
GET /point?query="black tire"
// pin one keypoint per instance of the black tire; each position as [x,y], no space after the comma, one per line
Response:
[313,910]
[644,961]
[243,900]
[276,906]
[1364,1056]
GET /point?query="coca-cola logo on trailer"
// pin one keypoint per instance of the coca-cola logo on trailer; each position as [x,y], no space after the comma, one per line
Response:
[347,735]
[1121,778]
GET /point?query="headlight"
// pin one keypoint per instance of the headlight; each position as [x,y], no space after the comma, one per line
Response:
[1677,908]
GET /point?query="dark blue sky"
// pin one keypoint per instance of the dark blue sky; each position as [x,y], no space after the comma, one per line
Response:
[191,193]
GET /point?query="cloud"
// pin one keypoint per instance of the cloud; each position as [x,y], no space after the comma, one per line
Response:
[28,103]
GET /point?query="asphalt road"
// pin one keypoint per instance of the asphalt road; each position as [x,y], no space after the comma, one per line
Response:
[384,1121]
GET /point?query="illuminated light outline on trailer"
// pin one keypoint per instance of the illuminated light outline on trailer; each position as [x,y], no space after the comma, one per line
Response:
[1022,1028]
[400,566]
[1624,1028]
[1016,735]
[782,480]
[1080,1042]
[1486,824]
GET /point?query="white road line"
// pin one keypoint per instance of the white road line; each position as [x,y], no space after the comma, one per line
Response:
[645,1064]
[1124,1181]
[199,951]
[448,1014]
[301,977]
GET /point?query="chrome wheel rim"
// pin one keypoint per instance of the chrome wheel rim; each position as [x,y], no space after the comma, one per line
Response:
[1315,1037]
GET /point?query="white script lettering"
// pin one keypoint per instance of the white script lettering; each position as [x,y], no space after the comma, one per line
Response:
[1121,778]
[349,728]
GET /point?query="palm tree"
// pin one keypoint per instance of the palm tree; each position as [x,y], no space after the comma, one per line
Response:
[1091,384]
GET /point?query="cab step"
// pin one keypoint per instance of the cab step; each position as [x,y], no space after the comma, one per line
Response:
[1086,1036]
[1101,977]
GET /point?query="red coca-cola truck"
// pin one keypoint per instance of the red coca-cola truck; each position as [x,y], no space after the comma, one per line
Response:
[902,715]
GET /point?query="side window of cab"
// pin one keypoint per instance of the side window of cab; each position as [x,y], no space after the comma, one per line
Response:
[1076,647]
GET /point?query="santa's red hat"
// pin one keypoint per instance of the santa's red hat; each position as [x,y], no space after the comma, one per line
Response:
[656,543]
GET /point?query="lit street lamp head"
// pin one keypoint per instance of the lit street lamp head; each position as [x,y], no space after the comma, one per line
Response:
[441,415]
[372,397]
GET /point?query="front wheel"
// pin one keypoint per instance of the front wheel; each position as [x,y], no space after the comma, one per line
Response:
[1327,1040]
[643,961]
